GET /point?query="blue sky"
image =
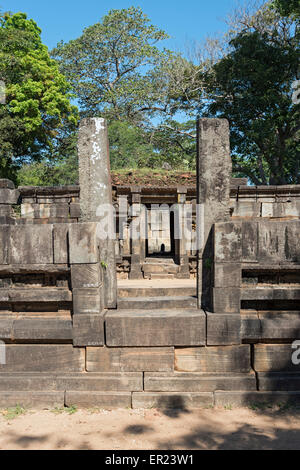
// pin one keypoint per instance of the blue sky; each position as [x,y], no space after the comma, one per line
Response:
[184,21]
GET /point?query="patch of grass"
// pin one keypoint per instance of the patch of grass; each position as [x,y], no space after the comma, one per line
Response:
[71,409]
[94,410]
[65,409]
[13,413]
[228,407]
[260,406]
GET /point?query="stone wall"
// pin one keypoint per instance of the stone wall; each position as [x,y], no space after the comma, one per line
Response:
[70,340]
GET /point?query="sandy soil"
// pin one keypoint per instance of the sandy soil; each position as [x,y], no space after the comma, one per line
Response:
[153,430]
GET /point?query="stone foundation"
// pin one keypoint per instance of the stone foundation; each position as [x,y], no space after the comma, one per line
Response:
[72,338]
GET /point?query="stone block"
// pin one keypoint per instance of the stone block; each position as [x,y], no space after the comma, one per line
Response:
[6,184]
[83,243]
[33,399]
[250,327]
[5,210]
[275,293]
[214,360]
[195,382]
[130,359]
[277,382]
[42,329]
[227,275]
[271,241]
[292,242]
[279,326]
[43,358]
[75,210]
[241,399]
[223,329]
[9,196]
[249,241]
[60,243]
[87,301]
[85,275]
[246,209]
[228,242]
[45,211]
[155,328]
[226,300]
[79,382]
[6,325]
[172,400]
[102,400]
[274,358]
[4,244]
[88,330]
[35,294]
[31,244]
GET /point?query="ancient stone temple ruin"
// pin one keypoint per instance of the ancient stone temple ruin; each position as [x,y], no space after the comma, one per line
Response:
[167,318]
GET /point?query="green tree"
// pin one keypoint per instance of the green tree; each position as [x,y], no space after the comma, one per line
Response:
[37,108]
[252,87]
[110,64]
[288,7]
[130,147]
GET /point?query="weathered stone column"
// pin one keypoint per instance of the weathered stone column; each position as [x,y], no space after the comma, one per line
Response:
[8,197]
[214,168]
[95,192]
[181,256]
[137,239]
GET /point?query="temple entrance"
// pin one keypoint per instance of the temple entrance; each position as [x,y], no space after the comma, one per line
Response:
[160,242]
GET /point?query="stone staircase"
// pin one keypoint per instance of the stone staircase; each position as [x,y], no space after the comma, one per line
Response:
[160,268]
[157,298]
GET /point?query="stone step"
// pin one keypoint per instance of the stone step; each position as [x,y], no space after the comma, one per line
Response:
[167,261]
[278,381]
[198,382]
[39,328]
[160,276]
[160,302]
[81,382]
[160,268]
[32,399]
[101,400]
[172,400]
[157,327]
[156,291]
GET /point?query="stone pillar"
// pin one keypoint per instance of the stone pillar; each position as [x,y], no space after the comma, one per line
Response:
[214,168]
[95,191]
[181,256]
[8,197]
[137,242]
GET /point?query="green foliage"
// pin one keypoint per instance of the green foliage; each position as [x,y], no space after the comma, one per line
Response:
[252,87]
[65,409]
[130,146]
[13,413]
[37,95]
[288,7]
[108,66]
[44,173]
[176,144]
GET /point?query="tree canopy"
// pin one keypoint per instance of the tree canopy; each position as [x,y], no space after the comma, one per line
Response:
[110,66]
[151,97]
[37,96]
[252,87]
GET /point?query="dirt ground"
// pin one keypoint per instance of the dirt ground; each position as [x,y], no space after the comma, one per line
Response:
[152,430]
